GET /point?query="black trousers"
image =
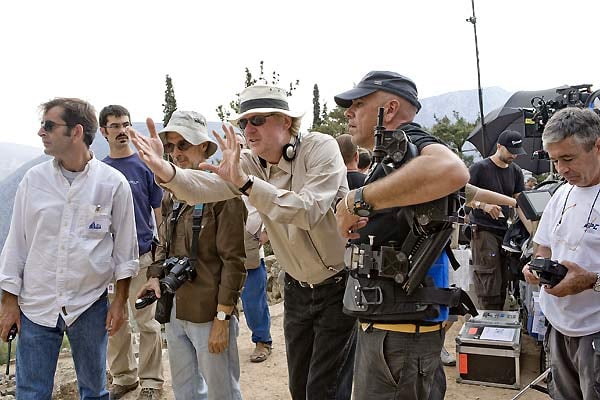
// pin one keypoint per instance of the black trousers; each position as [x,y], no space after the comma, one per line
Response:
[320,341]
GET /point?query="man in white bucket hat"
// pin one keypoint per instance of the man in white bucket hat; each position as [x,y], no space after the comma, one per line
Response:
[203,327]
[294,182]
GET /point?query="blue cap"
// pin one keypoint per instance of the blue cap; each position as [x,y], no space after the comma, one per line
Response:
[381,80]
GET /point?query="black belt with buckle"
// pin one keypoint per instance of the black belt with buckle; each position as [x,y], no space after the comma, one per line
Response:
[337,278]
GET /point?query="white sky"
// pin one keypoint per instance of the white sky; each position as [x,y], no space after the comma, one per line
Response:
[118,52]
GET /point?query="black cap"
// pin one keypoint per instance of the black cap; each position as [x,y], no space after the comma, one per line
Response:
[381,80]
[513,141]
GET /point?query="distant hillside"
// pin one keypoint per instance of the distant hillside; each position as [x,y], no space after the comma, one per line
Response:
[466,102]
[14,155]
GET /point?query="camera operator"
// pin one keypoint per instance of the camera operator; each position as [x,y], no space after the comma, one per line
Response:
[569,233]
[402,356]
[203,326]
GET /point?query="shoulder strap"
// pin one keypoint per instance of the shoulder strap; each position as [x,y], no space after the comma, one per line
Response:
[196,227]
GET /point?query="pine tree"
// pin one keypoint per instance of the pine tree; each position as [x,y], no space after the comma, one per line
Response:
[316,108]
[170,104]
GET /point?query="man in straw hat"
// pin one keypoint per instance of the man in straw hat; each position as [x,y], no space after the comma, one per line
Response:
[294,182]
[203,326]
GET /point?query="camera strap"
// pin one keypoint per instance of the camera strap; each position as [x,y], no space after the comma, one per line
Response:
[196,227]
[177,206]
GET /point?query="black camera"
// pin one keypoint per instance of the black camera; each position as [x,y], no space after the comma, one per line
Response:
[178,271]
[549,272]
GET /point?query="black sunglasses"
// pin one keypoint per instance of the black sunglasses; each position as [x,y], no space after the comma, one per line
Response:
[257,120]
[182,146]
[49,125]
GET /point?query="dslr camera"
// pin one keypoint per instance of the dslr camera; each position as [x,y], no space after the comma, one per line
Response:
[549,272]
[177,272]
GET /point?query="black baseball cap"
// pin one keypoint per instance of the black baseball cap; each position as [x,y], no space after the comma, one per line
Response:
[381,80]
[513,141]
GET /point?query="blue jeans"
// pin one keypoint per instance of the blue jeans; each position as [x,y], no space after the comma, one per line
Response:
[320,341]
[256,308]
[39,346]
[399,366]
[196,373]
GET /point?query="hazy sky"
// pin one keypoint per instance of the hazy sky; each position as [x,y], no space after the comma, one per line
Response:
[118,52]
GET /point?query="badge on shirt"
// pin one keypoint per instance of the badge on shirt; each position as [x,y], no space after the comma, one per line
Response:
[111,288]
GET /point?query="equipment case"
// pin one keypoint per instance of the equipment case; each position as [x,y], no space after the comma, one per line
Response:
[483,361]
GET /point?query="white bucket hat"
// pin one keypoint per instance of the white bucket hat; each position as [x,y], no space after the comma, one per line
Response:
[263,99]
[192,127]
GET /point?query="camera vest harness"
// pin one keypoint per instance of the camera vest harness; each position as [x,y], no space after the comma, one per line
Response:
[388,279]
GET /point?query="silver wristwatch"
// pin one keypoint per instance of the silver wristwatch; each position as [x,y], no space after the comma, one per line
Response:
[597,284]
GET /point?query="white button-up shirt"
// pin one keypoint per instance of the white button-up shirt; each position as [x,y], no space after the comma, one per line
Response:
[66,242]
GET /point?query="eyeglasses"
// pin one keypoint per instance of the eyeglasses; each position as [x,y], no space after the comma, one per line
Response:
[48,125]
[182,146]
[124,125]
[257,120]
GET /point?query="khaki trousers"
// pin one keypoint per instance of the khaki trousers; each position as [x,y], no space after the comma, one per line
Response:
[121,360]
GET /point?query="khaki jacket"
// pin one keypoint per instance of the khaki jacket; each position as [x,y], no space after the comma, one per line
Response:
[221,256]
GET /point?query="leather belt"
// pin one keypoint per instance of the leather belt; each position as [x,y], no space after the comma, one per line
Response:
[337,278]
[403,328]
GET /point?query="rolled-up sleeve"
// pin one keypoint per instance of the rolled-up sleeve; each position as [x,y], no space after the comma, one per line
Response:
[125,246]
[14,253]
[195,187]
[323,181]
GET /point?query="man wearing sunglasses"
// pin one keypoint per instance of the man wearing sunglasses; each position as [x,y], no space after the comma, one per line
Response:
[294,183]
[569,232]
[125,370]
[203,327]
[72,233]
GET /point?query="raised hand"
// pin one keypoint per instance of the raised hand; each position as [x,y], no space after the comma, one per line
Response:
[230,168]
[150,150]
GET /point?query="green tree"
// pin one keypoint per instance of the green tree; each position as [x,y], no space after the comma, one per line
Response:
[170,104]
[224,112]
[454,134]
[316,107]
[333,123]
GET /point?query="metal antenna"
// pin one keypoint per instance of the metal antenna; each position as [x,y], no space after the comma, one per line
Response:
[473,20]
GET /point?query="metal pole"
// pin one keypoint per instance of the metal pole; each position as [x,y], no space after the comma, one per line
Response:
[473,20]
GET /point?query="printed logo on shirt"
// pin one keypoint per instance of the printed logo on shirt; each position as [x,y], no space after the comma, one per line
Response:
[95,226]
[593,226]
[132,182]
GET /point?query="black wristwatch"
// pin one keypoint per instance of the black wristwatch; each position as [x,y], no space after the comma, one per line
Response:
[361,207]
[247,185]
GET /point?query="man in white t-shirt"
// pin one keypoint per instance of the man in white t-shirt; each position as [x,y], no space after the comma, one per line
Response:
[569,232]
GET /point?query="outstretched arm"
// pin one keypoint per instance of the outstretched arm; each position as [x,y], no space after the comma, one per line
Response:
[150,149]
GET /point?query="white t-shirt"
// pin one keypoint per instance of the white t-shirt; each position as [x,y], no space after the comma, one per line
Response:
[573,236]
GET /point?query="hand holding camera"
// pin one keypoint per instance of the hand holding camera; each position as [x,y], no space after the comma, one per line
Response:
[549,272]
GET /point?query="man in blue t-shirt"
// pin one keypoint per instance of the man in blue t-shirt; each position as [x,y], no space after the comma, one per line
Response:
[147,195]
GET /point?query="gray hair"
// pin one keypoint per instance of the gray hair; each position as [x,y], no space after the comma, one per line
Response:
[582,124]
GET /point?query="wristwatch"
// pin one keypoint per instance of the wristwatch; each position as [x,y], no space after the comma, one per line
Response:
[361,207]
[223,316]
[477,204]
[597,284]
[247,185]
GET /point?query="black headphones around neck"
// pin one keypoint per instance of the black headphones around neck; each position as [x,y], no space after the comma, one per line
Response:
[289,150]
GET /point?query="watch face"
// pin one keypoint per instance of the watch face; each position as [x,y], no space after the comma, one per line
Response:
[363,212]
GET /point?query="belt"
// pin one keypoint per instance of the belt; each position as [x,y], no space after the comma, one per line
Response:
[337,278]
[403,328]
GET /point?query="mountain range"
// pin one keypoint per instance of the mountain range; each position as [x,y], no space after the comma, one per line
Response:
[19,158]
